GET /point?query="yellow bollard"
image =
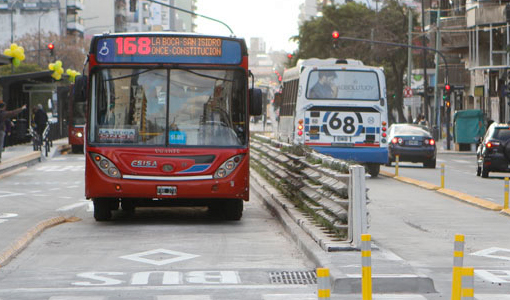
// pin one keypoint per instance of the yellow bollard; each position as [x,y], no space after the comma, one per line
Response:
[442,176]
[323,284]
[468,284]
[505,205]
[396,164]
[458,261]
[366,267]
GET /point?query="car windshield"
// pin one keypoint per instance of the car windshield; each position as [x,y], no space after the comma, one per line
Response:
[409,130]
[169,107]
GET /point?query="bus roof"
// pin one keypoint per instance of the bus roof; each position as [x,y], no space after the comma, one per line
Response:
[328,63]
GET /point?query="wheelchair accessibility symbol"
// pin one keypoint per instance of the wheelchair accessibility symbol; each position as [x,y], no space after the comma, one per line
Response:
[104,50]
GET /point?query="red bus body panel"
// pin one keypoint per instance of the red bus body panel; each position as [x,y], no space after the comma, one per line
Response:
[72,135]
[99,185]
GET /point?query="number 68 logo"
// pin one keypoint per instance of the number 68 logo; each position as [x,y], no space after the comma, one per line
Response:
[342,124]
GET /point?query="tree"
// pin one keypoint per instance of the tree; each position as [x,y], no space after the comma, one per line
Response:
[356,20]
[69,49]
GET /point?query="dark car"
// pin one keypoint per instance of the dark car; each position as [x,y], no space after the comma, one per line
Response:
[493,153]
[412,143]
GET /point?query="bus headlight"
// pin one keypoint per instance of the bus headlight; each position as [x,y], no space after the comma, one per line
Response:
[228,166]
[105,165]
[78,135]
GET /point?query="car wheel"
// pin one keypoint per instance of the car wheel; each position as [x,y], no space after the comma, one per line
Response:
[430,164]
[485,172]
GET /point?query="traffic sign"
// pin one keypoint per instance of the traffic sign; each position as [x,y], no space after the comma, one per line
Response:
[408,92]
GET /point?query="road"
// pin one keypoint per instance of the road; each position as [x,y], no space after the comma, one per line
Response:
[153,254]
[460,175]
[188,254]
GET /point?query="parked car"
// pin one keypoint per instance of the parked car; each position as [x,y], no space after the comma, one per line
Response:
[412,143]
[493,153]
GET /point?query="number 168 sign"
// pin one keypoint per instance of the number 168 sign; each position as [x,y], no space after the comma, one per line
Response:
[341,123]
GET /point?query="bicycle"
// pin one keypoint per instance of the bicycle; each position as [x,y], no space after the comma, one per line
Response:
[46,139]
[36,139]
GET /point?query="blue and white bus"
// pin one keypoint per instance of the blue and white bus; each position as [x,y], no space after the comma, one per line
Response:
[337,107]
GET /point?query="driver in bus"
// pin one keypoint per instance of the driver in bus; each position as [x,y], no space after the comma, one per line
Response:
[324,88]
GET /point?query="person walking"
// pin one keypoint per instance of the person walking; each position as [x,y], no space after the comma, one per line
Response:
[6,115]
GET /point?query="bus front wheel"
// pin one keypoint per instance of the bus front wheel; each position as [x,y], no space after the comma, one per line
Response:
[373,169]
[233,209]
[102,209]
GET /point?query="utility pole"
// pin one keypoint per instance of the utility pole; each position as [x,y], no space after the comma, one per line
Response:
[409,52]
[426,103]
[436,89]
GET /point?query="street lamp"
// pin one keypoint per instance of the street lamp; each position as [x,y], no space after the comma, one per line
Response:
[12,21]
[39,38]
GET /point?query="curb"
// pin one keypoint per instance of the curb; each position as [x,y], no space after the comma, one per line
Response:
[463,197]
[341,283]
[15,165]
[16,247]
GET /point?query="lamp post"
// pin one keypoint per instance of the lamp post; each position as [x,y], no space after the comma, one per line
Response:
[39,38]
[12,21]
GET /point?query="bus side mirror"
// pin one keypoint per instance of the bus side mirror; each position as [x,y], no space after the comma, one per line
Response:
[80,88]
[255,102]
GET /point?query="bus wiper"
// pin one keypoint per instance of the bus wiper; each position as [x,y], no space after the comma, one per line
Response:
[131,75]
[204,75]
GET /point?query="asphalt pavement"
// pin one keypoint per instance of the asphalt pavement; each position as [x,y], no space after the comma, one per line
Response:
[396,275]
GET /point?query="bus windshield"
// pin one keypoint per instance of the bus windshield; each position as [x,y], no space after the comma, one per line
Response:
[343,85]
[168,107]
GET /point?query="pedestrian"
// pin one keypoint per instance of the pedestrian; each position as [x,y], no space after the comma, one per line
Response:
[40,119]
[6,115]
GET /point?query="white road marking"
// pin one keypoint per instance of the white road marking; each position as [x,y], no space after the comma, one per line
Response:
[181,297]
[9,194]
[289,296]
[494,276]
[8,215]
[492,296]
[72,206]
[178,256]
[77,298]
[461,161]
[490,252]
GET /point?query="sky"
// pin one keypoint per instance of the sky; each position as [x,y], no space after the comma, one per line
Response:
[273,20]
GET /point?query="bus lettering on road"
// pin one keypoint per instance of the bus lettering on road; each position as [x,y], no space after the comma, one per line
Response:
[157,277]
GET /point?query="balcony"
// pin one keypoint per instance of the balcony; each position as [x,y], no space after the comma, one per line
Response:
[74,5]
[454,36]
[481,15]
[75,23]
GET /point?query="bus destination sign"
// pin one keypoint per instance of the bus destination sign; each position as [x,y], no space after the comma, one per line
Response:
[167,49]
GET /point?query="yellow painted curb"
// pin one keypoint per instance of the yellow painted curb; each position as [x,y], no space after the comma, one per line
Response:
[506,211]
[21,243]
[12,172]
[423,184]
[387,174]
[471,199]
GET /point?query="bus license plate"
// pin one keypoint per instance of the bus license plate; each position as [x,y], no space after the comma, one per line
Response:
[167,190]
[341,139]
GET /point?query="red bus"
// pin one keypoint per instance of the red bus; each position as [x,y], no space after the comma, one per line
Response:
[76,121]
[167,122]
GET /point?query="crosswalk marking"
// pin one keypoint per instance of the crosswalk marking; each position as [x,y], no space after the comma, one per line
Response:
[289,296]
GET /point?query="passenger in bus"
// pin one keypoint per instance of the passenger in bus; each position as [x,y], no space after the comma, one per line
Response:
[324,88]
